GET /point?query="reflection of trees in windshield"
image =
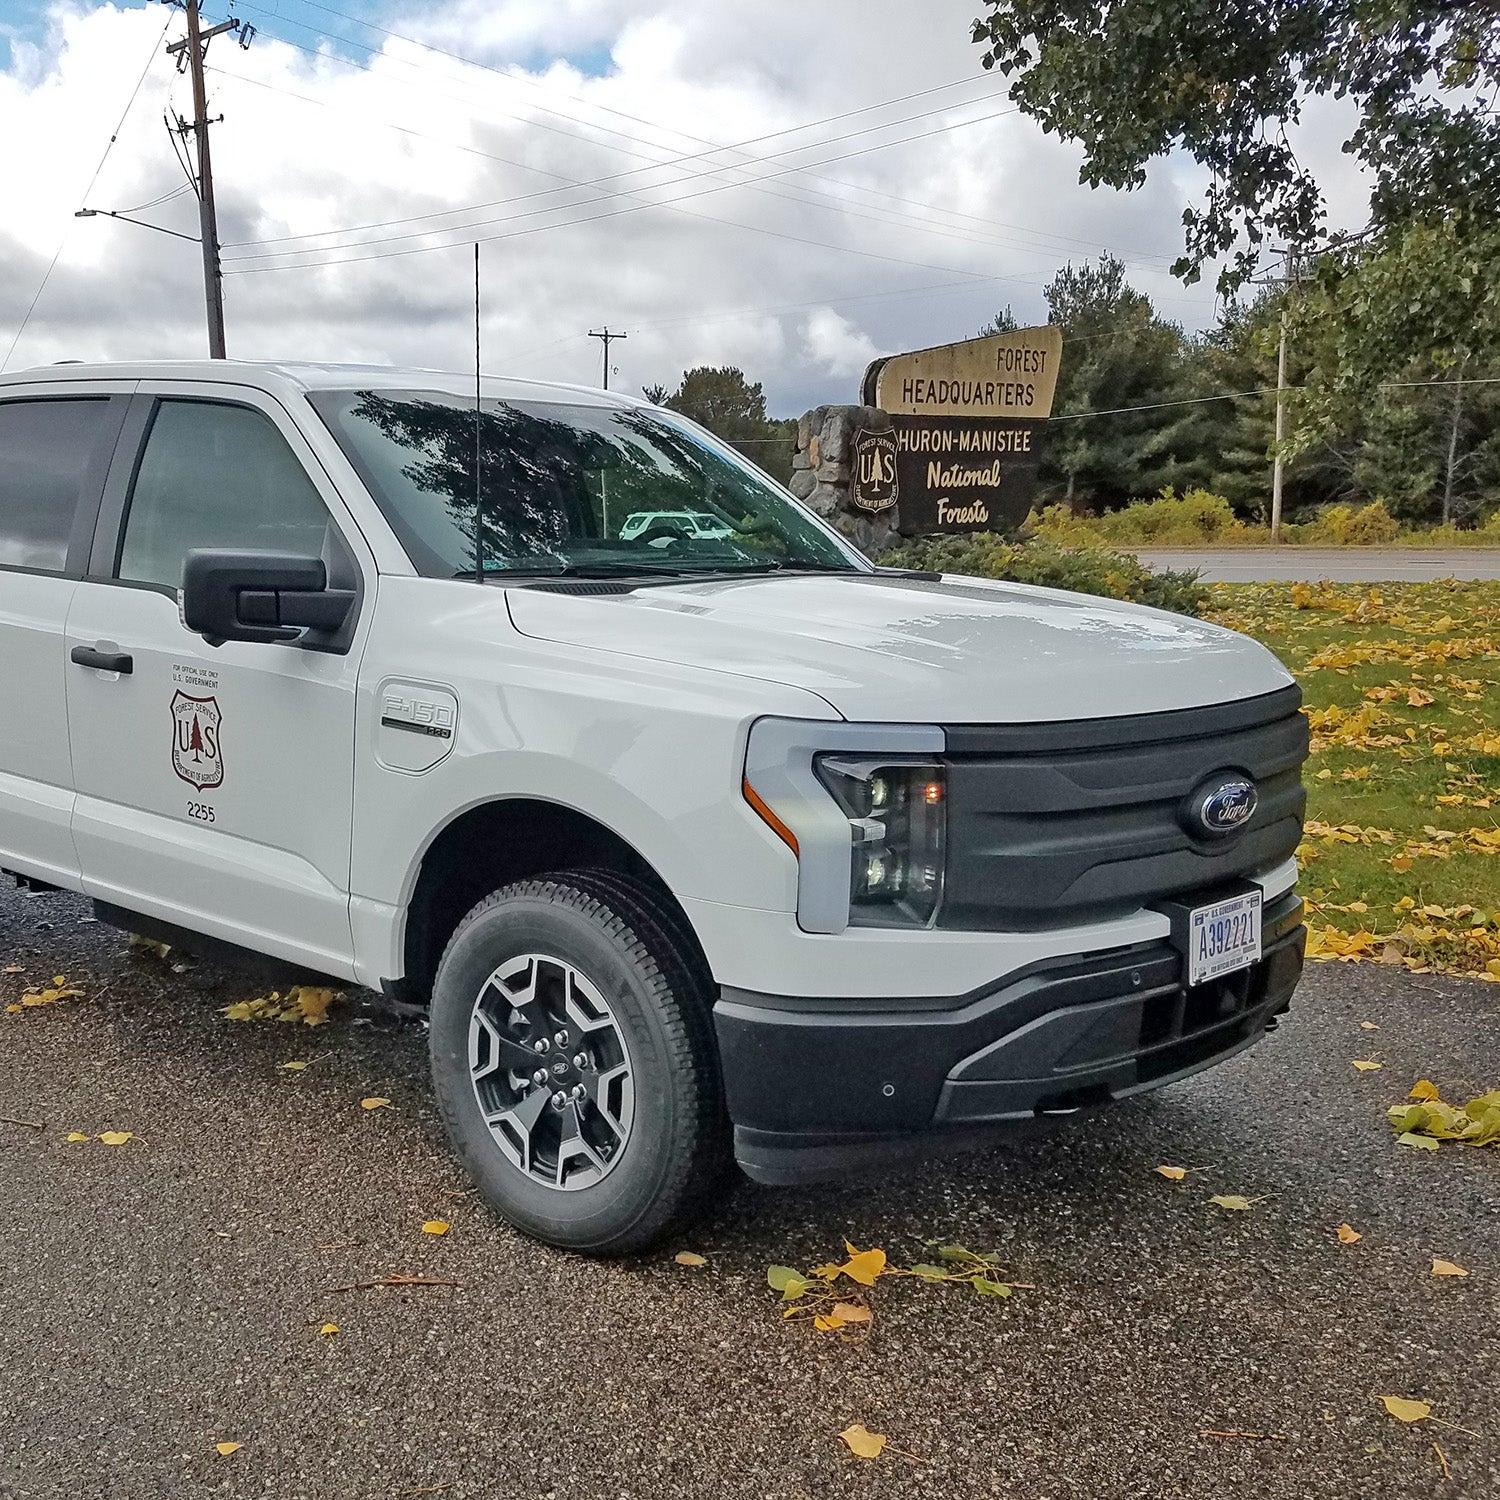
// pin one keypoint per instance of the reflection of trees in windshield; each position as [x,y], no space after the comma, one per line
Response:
[561,483]
[530,478]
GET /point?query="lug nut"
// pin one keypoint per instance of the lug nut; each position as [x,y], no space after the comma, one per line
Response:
[539,1046]
[540,1076]
[579,1092]
[581,1060]
[559,1100]
[561,1039]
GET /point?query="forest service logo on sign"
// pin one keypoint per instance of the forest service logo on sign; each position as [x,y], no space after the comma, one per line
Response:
[196,755]
[874,486]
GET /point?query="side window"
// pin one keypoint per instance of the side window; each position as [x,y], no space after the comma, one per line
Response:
[216,476]
[47,448]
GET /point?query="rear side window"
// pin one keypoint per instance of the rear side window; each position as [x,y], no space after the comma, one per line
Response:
[216,476]
[48,449]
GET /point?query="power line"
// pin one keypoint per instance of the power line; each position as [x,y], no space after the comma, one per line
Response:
[1266,390]
[104,157]
[571,183]
[673,159]
[574,135]
[713,147]
[671,204]
[467,226]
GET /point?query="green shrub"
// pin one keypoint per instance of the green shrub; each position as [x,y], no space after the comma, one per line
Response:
[1041,560]
[1370,525]
[1193,519]
[1060,524]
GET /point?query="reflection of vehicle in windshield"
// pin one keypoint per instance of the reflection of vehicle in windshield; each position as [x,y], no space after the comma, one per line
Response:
[658,528]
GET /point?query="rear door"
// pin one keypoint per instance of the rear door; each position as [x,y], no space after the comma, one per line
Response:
[215,784]
[55,445]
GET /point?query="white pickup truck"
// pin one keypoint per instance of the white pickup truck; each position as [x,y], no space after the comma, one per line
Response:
[700,847]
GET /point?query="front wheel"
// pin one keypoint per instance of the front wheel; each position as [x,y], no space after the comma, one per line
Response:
[573,1060]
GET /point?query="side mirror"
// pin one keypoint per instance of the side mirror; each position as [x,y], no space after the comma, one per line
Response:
[261,596]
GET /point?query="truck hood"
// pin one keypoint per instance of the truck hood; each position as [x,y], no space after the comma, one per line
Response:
[890,649]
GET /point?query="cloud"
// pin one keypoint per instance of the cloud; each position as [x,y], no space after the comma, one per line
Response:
[588,153]
[835,345]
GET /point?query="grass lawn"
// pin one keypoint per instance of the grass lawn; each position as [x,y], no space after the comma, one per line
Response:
[1401,862]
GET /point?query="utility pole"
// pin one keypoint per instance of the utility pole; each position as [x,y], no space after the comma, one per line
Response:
[1278,463]
[190,54]
[606,338]
[1453,429]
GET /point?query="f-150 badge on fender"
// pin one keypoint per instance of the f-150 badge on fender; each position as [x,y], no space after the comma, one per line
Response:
[197,756]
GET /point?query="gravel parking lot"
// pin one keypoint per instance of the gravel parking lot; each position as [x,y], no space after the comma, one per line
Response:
[166,1295]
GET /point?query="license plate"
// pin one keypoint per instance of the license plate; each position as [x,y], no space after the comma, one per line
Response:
[1224,937]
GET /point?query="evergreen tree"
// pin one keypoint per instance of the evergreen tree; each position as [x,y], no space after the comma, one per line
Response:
[1117,353]
[734,409]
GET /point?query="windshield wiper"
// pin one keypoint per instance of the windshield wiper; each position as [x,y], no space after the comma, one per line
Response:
[793,567]
[620,569]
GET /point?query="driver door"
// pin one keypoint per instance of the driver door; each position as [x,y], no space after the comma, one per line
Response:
[214,785]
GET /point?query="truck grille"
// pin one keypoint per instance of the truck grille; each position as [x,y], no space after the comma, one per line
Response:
[1084,819]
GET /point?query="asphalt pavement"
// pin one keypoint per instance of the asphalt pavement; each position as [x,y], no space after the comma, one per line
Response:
[166,1295]
[1339,564]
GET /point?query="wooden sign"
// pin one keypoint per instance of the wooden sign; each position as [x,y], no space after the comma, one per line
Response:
[1003,375]
[958,474]
[967,424]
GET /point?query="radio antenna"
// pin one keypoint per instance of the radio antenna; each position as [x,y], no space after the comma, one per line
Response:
[478,461]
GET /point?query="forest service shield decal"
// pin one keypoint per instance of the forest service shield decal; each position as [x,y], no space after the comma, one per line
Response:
[197,757]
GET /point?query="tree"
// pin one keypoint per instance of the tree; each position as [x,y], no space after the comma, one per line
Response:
[1133,80]
[1117,354]
[1004,321]
[734,409]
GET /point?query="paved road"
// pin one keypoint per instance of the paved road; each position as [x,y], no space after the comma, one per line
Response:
[165,1295]
[1341,564]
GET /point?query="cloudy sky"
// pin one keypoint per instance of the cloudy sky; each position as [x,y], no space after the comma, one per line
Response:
[787,186]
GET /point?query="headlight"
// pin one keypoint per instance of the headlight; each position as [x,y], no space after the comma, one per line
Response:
[897,827]
[860,807]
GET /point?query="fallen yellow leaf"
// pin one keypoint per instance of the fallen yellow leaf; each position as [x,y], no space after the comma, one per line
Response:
[1447,1268]
[225,1449]
[1411,1138]
[1404,1409]
[852,1312]
[1348,1235]
[436,1226]
[115,1137]
[861,1442]
[1172,1174]
[294,1067]
[1231,1200]
[863,1266]
[328,1330]
[374,1103]
[75,1135]
[1423,1089]
[1368,1067]
[690,1258]
[1368,1026]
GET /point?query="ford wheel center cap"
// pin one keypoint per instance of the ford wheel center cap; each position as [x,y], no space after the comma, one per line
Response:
[1223,805]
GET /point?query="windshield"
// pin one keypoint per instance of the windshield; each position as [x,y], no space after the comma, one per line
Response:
[567,489]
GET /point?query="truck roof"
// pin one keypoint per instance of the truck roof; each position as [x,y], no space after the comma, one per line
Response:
[283,376]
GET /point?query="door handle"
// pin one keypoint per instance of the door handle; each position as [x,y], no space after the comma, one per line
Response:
[102,661]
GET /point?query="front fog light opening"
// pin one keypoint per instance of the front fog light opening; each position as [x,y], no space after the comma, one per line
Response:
[897,812]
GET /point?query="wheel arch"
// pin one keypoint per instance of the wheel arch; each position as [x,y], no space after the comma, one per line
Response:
[494,843]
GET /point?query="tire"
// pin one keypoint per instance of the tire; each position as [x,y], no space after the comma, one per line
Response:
[642,1136]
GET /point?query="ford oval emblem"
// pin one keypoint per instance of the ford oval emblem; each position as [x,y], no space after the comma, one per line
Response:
[1222,807]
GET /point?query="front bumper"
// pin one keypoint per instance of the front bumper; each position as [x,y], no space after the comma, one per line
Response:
[819,1088]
